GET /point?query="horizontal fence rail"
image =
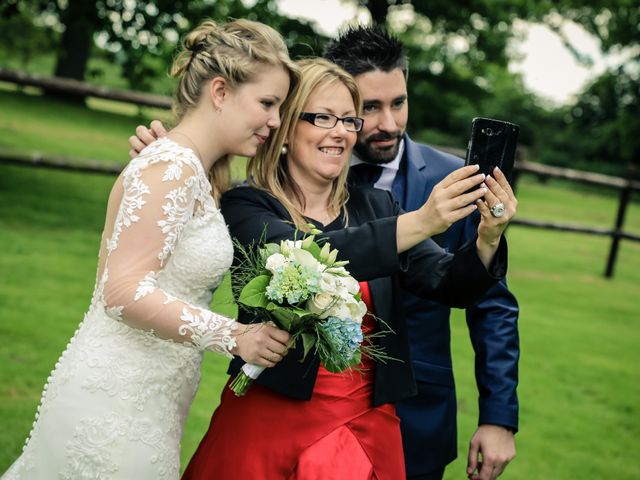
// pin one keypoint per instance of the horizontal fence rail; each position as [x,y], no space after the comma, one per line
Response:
[548,171]
[37,159]
[79,89]
[71,87]
[564,227]
[626,186]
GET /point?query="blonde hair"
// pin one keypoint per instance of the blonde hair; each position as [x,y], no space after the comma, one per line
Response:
[234,51]
[268,169]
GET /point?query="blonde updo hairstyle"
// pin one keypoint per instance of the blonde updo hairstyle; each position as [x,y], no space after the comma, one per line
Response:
[268,169]
[235,51]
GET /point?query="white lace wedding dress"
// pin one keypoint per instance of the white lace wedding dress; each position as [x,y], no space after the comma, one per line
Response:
[115,403]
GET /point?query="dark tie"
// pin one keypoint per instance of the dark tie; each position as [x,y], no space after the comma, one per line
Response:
[367,173]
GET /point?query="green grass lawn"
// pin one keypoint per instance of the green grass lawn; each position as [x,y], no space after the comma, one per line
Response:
[32,123]
[580,363]
[29,123]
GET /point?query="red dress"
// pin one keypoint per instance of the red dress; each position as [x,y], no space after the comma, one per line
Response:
[337,434]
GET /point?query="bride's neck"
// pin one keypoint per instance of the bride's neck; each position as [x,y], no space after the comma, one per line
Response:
[196,133]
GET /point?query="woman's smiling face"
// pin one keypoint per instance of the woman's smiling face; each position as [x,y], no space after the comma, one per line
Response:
[318,155]
[252,110]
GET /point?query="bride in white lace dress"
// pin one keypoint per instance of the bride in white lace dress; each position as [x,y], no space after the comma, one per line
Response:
[115,403]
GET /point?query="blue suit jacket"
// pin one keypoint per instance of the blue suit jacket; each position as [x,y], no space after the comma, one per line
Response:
[428,421]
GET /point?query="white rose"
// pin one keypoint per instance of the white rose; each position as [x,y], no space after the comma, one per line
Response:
[328,283]
[319,303]
[342,293]
[275,261]
[357,310]
[339,310]
[305,258]
[351,284]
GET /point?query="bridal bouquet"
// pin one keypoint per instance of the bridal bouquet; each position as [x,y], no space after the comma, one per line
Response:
[303,289]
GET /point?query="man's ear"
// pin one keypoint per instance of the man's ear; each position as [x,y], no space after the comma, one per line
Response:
[217,92]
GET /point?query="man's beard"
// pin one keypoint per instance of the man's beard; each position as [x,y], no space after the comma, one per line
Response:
[367,153]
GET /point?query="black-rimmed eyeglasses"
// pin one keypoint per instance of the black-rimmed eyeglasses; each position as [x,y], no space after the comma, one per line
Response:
[327,120]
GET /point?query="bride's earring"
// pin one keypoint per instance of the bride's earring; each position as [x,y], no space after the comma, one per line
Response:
[284,150]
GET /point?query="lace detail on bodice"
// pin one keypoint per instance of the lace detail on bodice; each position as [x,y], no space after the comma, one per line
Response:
[177,213]
[165,192]
[123,386]
[132,200]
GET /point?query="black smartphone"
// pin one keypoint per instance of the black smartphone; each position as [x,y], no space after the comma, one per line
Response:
[492,144]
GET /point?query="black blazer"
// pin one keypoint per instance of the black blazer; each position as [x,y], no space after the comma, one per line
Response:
[369,244]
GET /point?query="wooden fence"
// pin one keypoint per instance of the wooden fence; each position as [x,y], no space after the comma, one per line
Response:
[626,186]
[69,87]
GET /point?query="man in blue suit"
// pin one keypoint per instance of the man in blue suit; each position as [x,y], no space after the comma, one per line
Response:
[387,158]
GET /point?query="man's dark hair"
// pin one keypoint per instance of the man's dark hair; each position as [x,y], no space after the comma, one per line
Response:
[366,48]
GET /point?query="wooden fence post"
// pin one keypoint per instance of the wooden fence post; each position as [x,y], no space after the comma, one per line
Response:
[515,174]
[625,196]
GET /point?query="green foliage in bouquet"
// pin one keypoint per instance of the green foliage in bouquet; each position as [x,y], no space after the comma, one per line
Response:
[302,287]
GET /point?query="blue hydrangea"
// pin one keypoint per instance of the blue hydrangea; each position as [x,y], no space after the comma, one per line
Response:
[293,282]
[345,335]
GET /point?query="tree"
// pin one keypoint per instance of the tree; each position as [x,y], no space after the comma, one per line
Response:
[141,36]
[21,34]
[80,19]
[602,129]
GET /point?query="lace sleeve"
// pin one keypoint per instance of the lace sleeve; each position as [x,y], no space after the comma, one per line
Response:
[157,199]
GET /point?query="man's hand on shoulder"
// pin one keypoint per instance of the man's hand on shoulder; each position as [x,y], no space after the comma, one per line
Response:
[144,136]
[491,448]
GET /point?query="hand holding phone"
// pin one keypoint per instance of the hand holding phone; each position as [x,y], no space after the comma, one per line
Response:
[492,144]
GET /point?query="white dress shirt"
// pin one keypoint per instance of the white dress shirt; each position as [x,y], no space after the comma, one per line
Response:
[389,170]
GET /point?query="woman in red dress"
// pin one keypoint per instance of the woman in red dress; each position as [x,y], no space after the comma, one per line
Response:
[298,421]
[266,435]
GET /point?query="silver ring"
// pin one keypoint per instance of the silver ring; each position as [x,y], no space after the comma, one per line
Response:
[497,210]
